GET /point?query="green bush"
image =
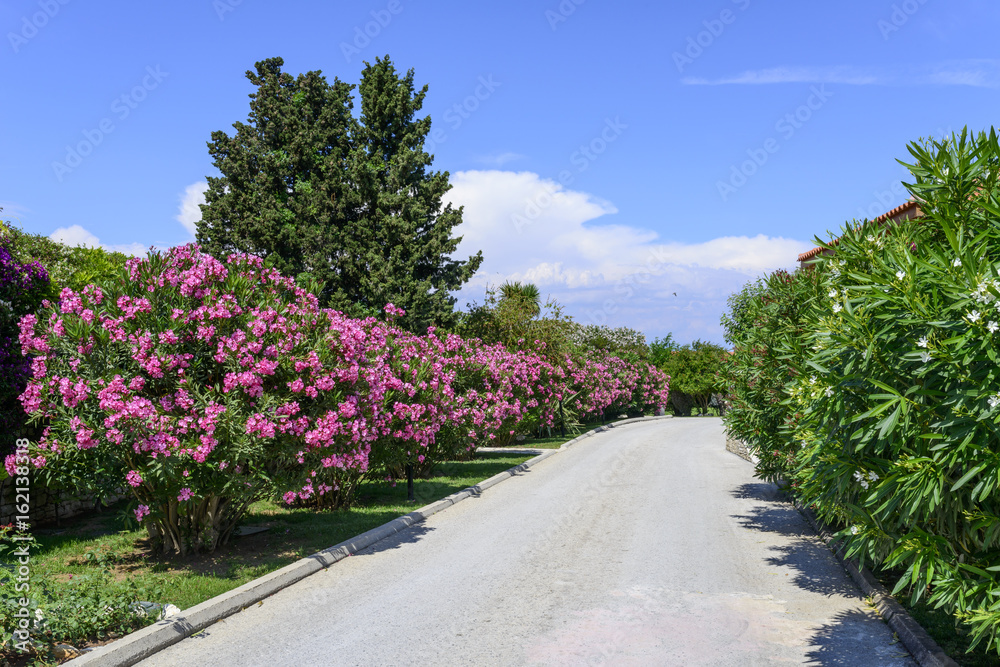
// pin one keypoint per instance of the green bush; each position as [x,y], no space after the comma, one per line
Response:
[765,326]
[888,421]
[695,374]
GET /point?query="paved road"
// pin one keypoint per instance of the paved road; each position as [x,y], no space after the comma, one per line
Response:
[646,545]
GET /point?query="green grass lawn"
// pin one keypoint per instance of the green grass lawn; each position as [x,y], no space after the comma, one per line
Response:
[291,534]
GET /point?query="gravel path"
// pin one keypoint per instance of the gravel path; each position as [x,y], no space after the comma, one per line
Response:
[646,545]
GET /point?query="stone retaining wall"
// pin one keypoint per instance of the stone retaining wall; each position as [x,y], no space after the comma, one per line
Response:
[45,505]
[739,448]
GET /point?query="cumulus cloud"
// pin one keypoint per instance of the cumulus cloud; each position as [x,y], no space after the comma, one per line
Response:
[76,235]
[564,241]
[189,212]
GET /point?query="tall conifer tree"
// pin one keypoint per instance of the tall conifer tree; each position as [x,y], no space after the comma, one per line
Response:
[347,200]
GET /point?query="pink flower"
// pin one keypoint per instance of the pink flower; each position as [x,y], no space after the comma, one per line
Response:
[393,311]
[140,512]
[133,478]
[185,494]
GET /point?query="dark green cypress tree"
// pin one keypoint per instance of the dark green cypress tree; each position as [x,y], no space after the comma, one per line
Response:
[284,190]
[349,201]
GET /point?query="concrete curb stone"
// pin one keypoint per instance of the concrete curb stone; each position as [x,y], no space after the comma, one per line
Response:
[141,644]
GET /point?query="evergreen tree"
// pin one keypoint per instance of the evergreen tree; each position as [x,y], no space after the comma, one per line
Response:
[403,242]
[348,201]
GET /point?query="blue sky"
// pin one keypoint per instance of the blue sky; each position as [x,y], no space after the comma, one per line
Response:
[638,161]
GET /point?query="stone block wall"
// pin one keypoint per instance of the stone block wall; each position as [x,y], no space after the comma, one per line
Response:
[45,506]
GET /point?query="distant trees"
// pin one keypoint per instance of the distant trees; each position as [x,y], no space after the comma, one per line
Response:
[695,372]
[347,201]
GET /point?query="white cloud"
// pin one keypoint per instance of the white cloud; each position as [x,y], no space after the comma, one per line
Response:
[981,73]
[75,236]
[842,75]
[189,213]
[12,210]
[530,228]
[78,236]
[133,249]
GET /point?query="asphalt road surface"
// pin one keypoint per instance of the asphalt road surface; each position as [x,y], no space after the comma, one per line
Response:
[646,545]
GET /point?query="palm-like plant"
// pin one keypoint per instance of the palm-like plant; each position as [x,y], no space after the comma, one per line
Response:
[524,294]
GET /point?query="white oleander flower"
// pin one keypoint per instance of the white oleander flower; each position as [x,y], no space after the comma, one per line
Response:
[957,262]
[873,477]
[832,294]
[900,274]
[854,530]
[974,316]
[992,327]
[925,357]
[922,342]
[837,308]
[993,401]
[829,392]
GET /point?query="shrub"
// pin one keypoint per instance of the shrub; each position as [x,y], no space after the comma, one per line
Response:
[22,287]
[766,326]
[888,420]
[200,387]
[695,374]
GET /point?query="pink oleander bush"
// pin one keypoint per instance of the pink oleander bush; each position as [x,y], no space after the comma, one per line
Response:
[201,386]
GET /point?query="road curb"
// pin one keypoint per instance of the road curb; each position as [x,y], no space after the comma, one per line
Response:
[921,645]
[141,644]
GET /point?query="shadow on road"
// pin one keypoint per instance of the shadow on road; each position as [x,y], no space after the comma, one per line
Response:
[837,643]
[756,491]
[411,535]
[812,561]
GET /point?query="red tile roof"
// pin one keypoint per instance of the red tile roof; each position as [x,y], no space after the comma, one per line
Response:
[895,213]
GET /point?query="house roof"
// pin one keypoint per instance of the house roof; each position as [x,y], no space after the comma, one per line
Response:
[898,213]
